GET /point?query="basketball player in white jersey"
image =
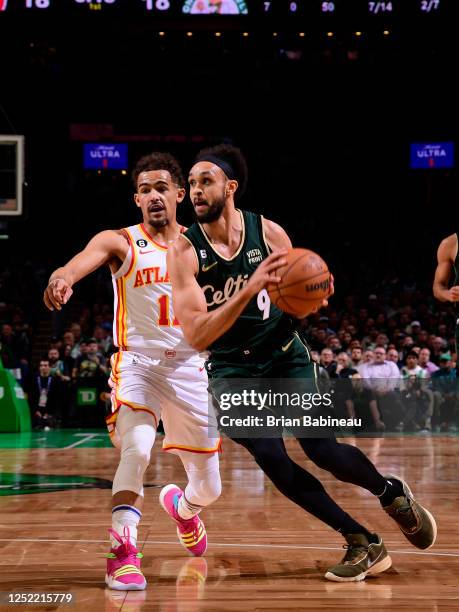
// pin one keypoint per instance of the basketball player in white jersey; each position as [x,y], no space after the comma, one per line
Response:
[155,373]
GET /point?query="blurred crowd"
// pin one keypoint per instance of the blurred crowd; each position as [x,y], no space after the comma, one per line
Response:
[398,354]
[75,371]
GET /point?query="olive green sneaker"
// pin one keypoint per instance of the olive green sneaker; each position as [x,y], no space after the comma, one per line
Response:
[415,522]
[361,558]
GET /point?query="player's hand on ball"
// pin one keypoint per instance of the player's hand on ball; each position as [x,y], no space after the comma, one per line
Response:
[57,293]
[266,271]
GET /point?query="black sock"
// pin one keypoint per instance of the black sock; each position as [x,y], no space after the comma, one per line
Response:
[394,489]
[350,526]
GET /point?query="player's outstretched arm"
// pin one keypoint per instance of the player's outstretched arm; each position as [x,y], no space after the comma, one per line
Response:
[446,255]
[202,328]
[101,249]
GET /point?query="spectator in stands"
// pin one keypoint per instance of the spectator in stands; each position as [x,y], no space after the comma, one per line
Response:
[356,357]
[370,331]
[445,393]
[327,362]
[343,387]
[383,377]
[418,404]
[89,364]
[15,350]
[381,340]
[323,324]
[56,343]
[344,368]
[438,348]
[363,405]
[334,344]
[424,361]
[368,356]
[412,369]
[69,362]
[57,366]
[104,339]
[19,325]
[392,355]
[346,340]
[75,328]
[423,338]
[407,345]
[415,328]
[318,339]
[44,398]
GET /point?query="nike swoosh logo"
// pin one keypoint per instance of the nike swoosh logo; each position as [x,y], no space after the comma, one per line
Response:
[288,345]
[146,252]
[207,268]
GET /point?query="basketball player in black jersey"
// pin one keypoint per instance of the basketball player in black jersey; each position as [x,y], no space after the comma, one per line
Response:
[219,270]
[447,265]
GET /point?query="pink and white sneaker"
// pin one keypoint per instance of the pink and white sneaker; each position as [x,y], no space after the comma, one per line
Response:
[123,565]
[191,532]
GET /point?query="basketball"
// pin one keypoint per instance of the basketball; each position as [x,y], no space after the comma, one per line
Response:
[305,282]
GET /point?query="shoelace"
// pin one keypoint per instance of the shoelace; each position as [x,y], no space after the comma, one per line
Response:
[352,551]
[193,527]
[189,525]
[125,547]
[406,516]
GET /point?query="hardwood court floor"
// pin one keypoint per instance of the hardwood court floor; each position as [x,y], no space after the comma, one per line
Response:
[264,552]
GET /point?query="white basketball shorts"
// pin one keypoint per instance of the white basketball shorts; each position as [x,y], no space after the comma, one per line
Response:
[173,389]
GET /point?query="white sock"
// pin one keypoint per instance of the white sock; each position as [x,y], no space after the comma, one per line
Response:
[187,510]
[125,516]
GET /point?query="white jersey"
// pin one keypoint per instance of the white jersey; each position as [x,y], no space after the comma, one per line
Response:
[143,313]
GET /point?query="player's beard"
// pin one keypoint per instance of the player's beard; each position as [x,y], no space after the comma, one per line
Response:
[213,212]
[156,224]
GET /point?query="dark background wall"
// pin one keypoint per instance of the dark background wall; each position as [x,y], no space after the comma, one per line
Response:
[325,124]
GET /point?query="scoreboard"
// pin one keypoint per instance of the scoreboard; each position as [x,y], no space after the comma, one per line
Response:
[296,9]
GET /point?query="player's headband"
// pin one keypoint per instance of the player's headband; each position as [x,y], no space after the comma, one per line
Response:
[222,164]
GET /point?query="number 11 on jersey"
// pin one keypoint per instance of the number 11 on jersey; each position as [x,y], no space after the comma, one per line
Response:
[164,319]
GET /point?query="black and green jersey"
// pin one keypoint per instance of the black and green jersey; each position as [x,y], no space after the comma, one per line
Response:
[261,323]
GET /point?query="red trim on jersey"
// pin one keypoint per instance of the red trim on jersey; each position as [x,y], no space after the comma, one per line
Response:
[117,315]
[183,229]
[133,258]
[148,235]
[120,314]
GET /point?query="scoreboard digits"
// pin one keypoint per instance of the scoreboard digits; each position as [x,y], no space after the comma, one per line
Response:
[257,9]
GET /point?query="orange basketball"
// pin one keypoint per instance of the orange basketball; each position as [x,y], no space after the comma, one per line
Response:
[305,282]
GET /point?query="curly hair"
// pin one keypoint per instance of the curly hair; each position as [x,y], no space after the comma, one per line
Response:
[233,156]
[159,161]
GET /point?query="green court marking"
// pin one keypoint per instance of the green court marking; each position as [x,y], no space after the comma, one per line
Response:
[61,438]
[25,484]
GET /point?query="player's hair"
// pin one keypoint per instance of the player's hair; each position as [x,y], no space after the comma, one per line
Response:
[159,161]
[412,354]
[233,156]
